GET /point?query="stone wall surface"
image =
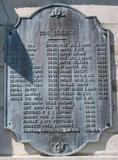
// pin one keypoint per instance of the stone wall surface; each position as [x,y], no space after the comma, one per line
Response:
[107,13]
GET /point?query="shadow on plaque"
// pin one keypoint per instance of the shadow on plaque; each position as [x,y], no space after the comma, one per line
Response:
[17,57]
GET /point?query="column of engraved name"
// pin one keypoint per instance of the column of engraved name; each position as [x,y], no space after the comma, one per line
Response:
[84,85]
[60,91]
[66,88]
[53,87]
[32,99]
[102,69]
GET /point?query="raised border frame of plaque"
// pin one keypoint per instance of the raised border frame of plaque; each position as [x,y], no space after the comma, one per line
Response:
[83,39]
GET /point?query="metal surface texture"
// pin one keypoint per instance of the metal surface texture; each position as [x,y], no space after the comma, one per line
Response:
[58,80]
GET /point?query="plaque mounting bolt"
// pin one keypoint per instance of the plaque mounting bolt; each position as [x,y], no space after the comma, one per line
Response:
[10,33]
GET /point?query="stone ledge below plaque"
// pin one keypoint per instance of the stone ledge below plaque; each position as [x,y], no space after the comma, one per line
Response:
[60,158]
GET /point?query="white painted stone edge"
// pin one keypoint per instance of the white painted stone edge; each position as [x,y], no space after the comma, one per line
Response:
[60,158]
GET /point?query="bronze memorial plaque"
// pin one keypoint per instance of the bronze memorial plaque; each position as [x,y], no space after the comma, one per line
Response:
[58,81]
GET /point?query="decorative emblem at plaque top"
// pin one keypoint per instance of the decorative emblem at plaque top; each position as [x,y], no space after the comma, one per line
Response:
[57,13]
